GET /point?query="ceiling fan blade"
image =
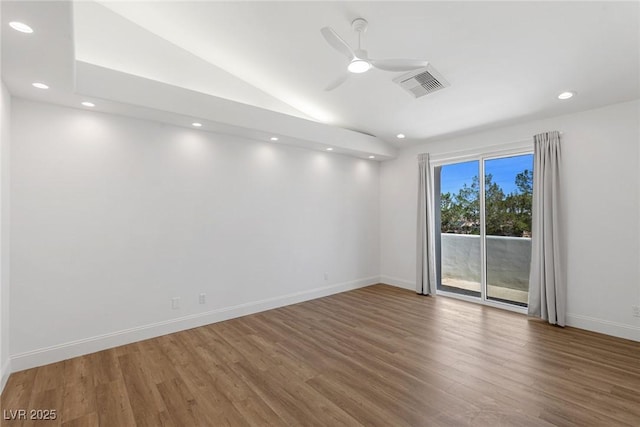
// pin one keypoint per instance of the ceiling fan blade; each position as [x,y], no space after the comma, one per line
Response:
[337,42]
[398,64]
[337,82]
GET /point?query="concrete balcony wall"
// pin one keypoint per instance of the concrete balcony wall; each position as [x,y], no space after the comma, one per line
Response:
[508,259]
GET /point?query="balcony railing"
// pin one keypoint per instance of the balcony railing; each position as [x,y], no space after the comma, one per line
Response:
[508,263]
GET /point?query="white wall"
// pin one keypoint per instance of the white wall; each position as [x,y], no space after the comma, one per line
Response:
[601,184]
[112,217]
[5,117]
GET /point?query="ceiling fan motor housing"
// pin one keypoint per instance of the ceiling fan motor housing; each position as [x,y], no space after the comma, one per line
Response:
[359,25]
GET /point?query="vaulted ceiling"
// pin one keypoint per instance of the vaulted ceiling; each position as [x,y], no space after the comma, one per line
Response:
[505,62]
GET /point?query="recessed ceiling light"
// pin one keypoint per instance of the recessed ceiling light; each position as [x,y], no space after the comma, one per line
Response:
[19,26]
[196,124]
[88,104]
[566,95]
[329,149]
[40,85]
[400,136]
[372,157]
[274,138]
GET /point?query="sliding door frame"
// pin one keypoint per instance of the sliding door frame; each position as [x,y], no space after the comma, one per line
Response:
[479,155]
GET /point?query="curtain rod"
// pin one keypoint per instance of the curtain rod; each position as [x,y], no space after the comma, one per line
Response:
[473,150]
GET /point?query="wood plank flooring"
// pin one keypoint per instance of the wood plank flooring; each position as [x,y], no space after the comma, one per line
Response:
[377,356]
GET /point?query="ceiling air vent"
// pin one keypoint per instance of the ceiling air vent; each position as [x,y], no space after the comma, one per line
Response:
[422,82]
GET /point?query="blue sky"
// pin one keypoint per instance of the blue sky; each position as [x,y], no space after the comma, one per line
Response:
[504,171]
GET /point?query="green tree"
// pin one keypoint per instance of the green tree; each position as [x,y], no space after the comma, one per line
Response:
[494,207]
[518,205]
[506,215]
[450,214]
[468,203]
[524,181]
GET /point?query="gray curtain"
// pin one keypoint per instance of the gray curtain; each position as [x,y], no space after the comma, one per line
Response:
[425,261]
[547,287]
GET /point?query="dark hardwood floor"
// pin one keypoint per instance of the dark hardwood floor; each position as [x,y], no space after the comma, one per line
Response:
[375,356]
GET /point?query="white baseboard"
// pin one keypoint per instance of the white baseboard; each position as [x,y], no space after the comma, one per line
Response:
[5,371]
[64,351]
[68,350]
[606,327]
[398,283]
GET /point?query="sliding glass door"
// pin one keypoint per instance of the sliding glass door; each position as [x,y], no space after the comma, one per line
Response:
[507,205]
[459,222]
[483,227]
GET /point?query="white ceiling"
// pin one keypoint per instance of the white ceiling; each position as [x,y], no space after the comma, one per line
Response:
[505,61]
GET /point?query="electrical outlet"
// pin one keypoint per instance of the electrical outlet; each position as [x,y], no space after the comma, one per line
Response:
[326,276]
[202,298]
[636,311]
[175,303]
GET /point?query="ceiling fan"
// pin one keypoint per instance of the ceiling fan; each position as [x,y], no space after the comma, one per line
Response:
[359,61]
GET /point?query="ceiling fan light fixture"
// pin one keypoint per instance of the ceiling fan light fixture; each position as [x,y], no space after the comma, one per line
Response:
[359,61]
[358,66]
